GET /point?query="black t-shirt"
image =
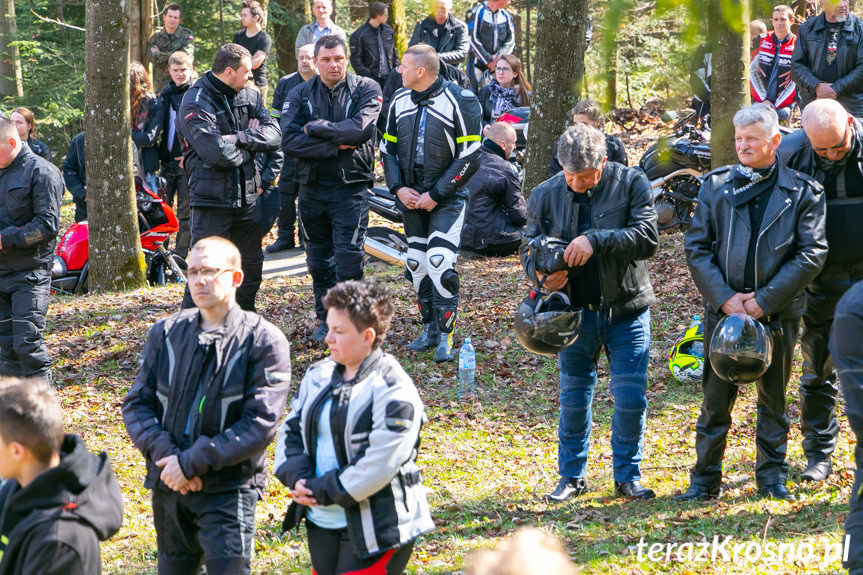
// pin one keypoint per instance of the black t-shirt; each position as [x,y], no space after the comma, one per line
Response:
[584,281]
[828,68]
[259,42]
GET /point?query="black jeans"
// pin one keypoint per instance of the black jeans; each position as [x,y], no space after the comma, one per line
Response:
[333,554]
[333,222]
[288,192]
[243,227]
[176,185]
[771,428]
[818,385]
[216,529]
[268,205]
[23,303]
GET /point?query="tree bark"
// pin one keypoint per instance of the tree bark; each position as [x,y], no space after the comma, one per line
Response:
[398,21]
[729,84]
[11,83]
[293,15]
[116,259]
[560,29]
[140,29]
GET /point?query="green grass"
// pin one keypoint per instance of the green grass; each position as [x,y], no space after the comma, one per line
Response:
[486,463]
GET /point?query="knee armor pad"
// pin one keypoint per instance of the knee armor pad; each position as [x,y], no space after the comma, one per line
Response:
[450,281]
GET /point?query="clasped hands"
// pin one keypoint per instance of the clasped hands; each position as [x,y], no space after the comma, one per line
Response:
[743,303]
[413,200]
[303,495]
[173,476]
[576,254]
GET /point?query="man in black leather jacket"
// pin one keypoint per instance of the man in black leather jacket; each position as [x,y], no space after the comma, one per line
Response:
[756,240]
[828,57]
[605,211]
[328,124]
[373,50]
[430,149]
[443,32]
[829,148]
[224,124]
[31,188]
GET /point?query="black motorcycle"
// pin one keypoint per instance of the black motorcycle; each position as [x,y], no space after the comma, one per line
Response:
[675,165]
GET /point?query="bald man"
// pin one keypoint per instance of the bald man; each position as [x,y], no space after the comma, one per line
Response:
[496,213]
[829,148]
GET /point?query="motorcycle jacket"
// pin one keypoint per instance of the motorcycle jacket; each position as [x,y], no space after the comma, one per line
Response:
[769,53]
[375,420]
[283,88]
[789,251]
[221,174]
[30,191]
[213,399]
[451,145]
[453,43]
[316,120]
[622,232]
[491,33]
[496,210]
[808,53]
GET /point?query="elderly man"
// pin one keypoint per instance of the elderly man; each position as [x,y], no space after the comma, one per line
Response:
[830,149]
[443,32]
[605,211]
[322,26]
[828,57]
[756,240]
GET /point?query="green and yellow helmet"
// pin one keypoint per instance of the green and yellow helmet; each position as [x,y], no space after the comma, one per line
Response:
[686,360]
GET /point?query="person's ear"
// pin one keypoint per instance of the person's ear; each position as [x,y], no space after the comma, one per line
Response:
[369,336]
[237,278]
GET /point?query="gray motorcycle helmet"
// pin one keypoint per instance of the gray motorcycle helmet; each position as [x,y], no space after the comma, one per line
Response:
[546,324]
[741,349]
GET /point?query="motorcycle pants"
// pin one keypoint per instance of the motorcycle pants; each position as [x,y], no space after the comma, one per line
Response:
[24,299]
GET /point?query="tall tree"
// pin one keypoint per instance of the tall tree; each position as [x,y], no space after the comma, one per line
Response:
[288,16]
[11,83]
[116,259]
[140,28]
[729,85]
[398,21]
[560,29]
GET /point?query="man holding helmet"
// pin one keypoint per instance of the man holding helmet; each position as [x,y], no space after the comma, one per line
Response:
[604,212]
[756,240]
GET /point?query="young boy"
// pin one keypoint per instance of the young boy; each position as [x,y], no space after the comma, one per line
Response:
[58,500]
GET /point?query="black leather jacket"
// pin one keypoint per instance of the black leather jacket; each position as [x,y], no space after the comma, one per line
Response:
[789,252]
[316,120]
[796,152]
[623,232]
[808,52]
[30,192]
[453,45]
[220,174]
[496,210]
[365,52]
[452,141]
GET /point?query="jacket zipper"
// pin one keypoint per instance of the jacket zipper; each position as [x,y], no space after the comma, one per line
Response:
[761,233]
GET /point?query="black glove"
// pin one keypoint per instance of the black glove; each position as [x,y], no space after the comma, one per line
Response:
[546,253]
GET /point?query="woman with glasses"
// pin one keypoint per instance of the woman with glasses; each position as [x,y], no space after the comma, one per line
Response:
[509,89]
[348,447]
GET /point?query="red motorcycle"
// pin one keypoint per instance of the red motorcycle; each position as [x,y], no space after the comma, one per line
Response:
[156,221]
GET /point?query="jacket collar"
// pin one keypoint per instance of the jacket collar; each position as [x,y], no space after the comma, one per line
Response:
[366,367]
[821,23]
[19,159]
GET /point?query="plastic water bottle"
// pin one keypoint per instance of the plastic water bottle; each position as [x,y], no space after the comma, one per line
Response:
[466,370]
[697,348]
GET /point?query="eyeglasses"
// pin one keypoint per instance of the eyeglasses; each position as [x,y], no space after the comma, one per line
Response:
[206,274]
[499,69]
[838,148]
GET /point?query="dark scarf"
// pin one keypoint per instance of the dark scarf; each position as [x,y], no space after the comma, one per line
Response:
[221,86]
[503,99]
[493,148]
[417,97]
[830,167]
[749,182]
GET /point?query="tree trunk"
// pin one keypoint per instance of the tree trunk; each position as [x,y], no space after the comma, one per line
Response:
[116,259]
[359,10]
[527,63]
[293,15]
[560,29]
[140,29]
[11,83]
[399,23]
[611,77]
[729,84]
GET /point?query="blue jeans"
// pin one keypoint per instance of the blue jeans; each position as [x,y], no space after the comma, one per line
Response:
[627,344]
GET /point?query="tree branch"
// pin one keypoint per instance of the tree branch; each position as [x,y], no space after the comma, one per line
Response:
[58,22]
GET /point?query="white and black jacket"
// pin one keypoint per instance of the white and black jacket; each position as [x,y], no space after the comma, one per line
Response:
[376,420]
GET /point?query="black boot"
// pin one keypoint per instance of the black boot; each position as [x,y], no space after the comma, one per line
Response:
[446,323]
[431,334]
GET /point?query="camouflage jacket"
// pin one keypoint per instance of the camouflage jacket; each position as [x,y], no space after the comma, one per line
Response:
[166,44]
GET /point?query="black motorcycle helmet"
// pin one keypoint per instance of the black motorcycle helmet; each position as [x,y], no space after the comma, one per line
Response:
[546,324]
[741,349]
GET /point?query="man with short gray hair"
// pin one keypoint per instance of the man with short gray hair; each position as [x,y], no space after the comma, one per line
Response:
[605,211]
[756,240]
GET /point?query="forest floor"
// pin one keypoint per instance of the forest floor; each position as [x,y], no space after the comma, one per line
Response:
[487,463]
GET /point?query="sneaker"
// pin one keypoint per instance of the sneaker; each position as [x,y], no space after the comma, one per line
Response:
[567,489]
[320,333]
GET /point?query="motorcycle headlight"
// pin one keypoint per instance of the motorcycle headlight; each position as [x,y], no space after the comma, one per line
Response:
[58,268]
